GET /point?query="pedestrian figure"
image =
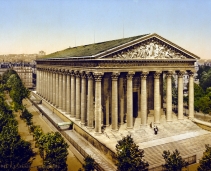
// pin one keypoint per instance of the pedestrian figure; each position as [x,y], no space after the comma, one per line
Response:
[155,130]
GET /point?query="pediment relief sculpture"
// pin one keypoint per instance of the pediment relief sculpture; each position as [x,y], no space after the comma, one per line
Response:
[150,50]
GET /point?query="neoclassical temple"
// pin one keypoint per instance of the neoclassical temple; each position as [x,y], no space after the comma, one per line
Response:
[114,82]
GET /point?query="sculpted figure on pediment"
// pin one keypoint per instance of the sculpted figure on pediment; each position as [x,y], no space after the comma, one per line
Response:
[149,50]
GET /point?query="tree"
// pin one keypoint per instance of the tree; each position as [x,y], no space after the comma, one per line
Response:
[89,164]
[129,156]
[173,162]
[15,153]
[54,151]
[205,162]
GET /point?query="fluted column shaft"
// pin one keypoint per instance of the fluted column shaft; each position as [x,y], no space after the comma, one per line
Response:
[130,100]
[180,95]
[60,90]
[57,89]
[68,106]
[114,124]
[45,84]
[157,100]
[54,87]
[72,94]
[98,105]
[90,101]
[144,98]
[121,100]
[78,96]
[169,97]
[48,85]
[64,91]
[83,99]
[191,95]
[38,81]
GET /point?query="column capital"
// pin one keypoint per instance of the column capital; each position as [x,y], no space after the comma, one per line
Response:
[89,75]
[169,74]
[115,75]
[180,74]
[130,75]
[98,76]
[77,74]
[144,74]
[191,73]
[83,74]
[157,74]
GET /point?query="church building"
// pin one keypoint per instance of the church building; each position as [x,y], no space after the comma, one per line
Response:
[113,83]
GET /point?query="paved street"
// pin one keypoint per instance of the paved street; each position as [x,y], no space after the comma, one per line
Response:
[73,163]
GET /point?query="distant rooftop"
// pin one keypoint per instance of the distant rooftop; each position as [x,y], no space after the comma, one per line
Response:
[91,49]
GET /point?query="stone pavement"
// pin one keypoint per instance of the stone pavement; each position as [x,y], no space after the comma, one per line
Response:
[183,135]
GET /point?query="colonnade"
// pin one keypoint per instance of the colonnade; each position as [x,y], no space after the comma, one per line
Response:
[82,94]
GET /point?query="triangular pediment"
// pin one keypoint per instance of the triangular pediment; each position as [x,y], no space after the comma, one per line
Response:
[150,47]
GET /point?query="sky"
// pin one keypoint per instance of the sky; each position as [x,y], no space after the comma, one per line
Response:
[29,26]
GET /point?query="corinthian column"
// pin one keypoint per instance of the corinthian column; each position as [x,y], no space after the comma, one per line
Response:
[54,87]
[130,100]
[68,88]
[78,96]
[90,101]
[37,81]
[121,99]
[180,94]
[57,88]
[114,119]
[60,90]
[64,91]
[98,105]
[72,94]
[191,95]
[157,100]
[169,96]
[83,98]
[144,98]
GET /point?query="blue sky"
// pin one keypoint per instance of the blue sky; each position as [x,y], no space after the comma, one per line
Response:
[28,26]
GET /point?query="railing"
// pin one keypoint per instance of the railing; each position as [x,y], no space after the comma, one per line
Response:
[77,147]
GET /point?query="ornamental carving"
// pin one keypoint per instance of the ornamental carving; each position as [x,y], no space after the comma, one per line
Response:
[180,74]
[115,76]
[153,49]
[169,74]
[98,76]
[157,75]
[144,75]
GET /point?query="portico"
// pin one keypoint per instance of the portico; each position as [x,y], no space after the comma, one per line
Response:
[117,82]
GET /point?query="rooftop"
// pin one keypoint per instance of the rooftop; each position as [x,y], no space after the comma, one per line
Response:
[91,49]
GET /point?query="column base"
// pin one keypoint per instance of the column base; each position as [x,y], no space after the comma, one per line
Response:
[76,119]
[114,130]
[72,116]
[82,124]
[98,133]
[168,120]
[129,128]
[180,118]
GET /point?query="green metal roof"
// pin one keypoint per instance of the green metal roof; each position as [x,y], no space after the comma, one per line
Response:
[91,49]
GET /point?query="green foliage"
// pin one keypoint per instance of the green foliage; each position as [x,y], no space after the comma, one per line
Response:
[205,162]
[15,153]
[53,150]
[89,164]
[173,162]
[17,91]
[129,156]
[27,116]
[6,75]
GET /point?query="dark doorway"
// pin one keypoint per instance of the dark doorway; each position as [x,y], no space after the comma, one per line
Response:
[135,104]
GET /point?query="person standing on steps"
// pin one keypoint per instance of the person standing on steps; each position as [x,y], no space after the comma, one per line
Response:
[155,130]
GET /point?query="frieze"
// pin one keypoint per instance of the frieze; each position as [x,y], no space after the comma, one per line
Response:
[152,49]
